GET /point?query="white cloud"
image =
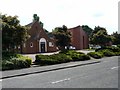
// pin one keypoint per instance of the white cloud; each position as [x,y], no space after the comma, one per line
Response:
[55,13]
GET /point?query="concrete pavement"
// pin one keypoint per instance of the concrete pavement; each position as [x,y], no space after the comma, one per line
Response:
[40,69]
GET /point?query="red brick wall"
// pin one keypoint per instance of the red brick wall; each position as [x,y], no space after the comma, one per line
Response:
[79,38]
[36,32]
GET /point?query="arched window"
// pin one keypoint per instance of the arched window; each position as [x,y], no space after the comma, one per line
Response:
[31,44]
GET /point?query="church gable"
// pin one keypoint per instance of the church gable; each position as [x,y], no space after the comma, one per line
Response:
[39,40]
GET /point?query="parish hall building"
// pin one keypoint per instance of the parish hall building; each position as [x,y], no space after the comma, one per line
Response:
[40,42]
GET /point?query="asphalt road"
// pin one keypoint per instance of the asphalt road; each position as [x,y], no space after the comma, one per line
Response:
[99,75]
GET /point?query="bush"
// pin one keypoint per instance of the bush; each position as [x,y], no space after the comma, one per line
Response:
[117,53]
[7,65]
[76,56]
[95,55]
[26,59]
[41,57]
[84,57]
[118,45]
[79,57]
[52,59]
[62,57]
[15,61]
[19,63]
[70,52]
[107,52]
[111,48]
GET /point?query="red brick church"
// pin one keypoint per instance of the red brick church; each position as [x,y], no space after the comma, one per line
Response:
[40,42]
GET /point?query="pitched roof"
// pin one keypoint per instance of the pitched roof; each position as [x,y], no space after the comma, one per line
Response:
[30,24]
[74,27]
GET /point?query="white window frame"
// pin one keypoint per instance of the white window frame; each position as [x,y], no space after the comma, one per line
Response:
[51,44]
[24,45]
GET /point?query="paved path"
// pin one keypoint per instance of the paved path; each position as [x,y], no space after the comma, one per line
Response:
[85,51]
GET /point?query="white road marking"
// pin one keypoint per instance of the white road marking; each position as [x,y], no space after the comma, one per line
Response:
[115,67]
[60,81]
[0,80]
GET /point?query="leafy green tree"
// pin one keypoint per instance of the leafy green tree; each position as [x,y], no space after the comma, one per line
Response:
[87,29]
[13,34]
[116,38]
[62,37]
[100,36]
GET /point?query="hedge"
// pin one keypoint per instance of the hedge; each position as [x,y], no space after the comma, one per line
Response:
[111,48]
[107,52]
[76,56]
[62,57]
[52,59]
[95,55]
[15,61]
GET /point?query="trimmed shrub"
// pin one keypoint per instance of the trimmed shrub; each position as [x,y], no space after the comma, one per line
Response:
[52,59]
[27,59]
[107,52]
[7,65]
[117,53]
[83,57]
[69,52]
[111,48]
[15,61]
[62,57]
[80,57]
[19,63]
[95,55]
[77,56]
[118,45]
[41,57]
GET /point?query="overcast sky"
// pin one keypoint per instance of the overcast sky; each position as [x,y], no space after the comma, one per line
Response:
[54,13]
